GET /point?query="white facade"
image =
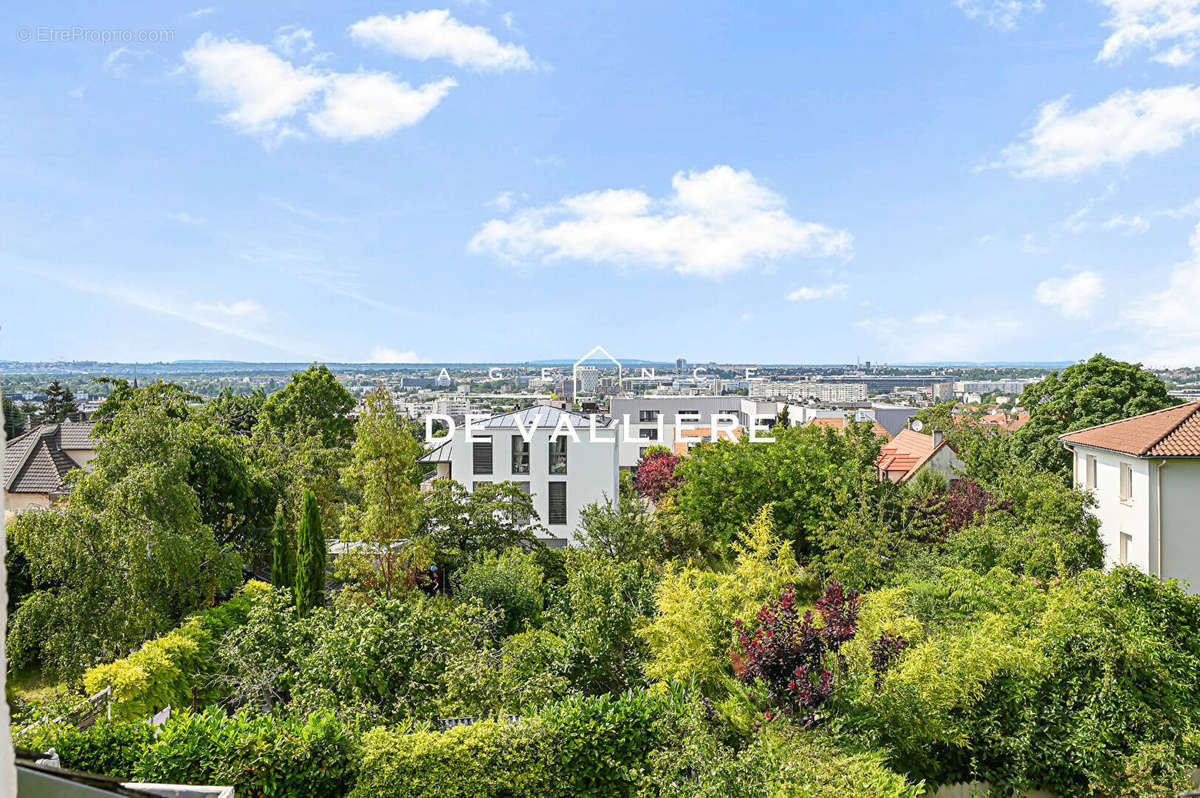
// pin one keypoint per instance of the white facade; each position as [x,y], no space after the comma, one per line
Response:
[579,468]
[800,391]
[1148,508]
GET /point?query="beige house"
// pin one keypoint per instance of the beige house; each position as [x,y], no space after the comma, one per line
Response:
[910,452]
[1144,473]
[36,464]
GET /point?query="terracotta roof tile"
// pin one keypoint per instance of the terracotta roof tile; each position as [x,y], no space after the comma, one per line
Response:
[1173,432]
[839,423]
[907,452]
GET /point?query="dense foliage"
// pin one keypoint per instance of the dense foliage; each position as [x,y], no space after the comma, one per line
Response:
[756,619]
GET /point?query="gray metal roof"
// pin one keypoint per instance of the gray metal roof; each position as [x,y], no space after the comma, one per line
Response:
[438,454]
[543,416]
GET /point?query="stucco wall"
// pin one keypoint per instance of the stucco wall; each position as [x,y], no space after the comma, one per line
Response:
[591,470]
[1134,517]
[1181,521]
[18,502]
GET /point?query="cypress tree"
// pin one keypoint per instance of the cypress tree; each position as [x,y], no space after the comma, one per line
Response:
[310,561]
[283,562]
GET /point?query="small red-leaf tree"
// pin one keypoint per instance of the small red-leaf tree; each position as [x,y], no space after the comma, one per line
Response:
[790,656]
[655,476]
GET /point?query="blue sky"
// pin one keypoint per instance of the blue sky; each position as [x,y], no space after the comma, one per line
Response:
[769,182]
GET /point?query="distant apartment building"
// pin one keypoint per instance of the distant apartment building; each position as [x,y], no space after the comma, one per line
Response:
[809,391]
[1144,473]
[563,459]
[943,392]
[665,420]
[992,386]
[589,379]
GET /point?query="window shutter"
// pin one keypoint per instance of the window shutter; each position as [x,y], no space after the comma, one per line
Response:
[558,502]
[481,457]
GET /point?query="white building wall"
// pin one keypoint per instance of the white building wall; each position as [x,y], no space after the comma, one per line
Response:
[1181,520]
[1132,517]
[592,473]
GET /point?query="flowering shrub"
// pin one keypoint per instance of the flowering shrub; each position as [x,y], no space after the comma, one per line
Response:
[656,473]
[789,653]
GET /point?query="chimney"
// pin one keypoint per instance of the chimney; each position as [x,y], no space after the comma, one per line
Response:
[937,438]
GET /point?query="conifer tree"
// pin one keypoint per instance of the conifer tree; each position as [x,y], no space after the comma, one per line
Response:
[60,403]
[283,563]
[310,560]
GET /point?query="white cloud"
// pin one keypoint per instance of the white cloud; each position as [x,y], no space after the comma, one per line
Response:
[937,335]
[241,308]
[807,294]
[1168,318]
[121,60]
[1000,14]
[1184,211]
[435,34]
[715,223]
[502,202]
[1128,224]
[202,12]
[373,104]
[265,93]
[1147,24]
[1125,125]
[384,354]
[291,40]
[77,92]
[183,217]
[263,89]
[1073,296]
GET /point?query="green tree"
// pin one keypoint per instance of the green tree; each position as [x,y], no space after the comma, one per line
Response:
[283,559]
[126,557]
[462,523]
[237,412]
[14,419]
[803,475]
[310,559]
[384,477]
[313,405]
[1083,395]
[302,440]
[60,403]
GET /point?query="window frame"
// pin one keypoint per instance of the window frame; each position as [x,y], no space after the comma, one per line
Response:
[551,489]
[521,447]
[1126,483]
[551,446]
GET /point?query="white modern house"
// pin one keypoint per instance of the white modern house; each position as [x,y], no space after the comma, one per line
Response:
[1145,475]
[565,460]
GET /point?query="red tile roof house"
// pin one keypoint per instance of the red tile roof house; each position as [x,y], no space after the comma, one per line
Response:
[1145,475]
[910,452]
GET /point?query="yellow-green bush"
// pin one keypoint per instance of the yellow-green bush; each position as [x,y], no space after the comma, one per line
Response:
[164,670]
[692,629]
[478,761]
